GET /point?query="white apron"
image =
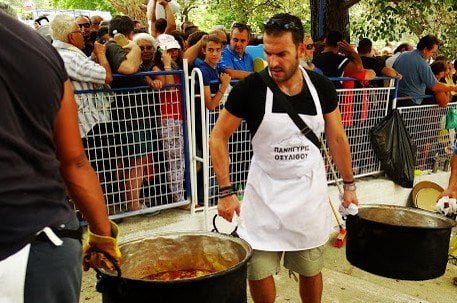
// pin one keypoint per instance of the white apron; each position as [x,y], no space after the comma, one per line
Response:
[285,205]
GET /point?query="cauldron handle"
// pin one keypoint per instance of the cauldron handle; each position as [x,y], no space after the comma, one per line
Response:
[112,260]
[233,233]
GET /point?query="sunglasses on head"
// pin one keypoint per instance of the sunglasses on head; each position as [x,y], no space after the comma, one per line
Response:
[287,25]
[310,46]
[85,25]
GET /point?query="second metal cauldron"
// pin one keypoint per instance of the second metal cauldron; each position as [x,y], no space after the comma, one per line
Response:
[398,242]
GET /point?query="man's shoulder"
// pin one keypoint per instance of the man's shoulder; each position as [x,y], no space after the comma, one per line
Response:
[253,82]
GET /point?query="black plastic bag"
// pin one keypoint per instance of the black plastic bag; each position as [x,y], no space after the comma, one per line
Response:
[393,146]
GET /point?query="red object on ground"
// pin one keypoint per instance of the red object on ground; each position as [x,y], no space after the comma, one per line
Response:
[341,238]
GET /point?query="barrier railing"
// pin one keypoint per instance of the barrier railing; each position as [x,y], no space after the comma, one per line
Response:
[150,151]
[426,125]
[136,140]
[361,108]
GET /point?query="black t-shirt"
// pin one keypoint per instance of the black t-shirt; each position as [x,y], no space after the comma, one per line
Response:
[32,193]
[115,55]
[376,64]
[332,65]
[247,99]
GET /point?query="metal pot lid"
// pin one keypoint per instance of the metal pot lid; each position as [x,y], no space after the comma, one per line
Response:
[404,216]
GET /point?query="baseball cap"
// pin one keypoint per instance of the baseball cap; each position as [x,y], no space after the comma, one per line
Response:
[166,41]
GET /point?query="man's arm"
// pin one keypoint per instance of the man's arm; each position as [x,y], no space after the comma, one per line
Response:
[355,64]
[171,23]
[339,149]
[79,176]
[225,126]
[236,73]
[192,52]
[451,190]
[100,54]
[153,19]
[390,72]
[443,88]
[133,60]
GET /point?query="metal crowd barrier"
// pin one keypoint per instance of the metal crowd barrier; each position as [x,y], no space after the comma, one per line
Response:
[361,108]
[426,125]
[136,140]
[150,148]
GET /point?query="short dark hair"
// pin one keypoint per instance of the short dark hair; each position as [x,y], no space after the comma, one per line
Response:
[211,38]
[122,24]
[281,23]
[161,25]
[190,30]
[333,38]
[401,48]
[365,46]
[428,42]
[195,37]
[438,66]
[241,27]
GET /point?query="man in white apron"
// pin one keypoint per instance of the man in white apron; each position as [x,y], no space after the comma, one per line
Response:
[285,208]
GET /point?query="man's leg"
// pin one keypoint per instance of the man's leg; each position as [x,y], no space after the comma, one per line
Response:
[263,291]
[311,288]
[261,268]
[308,264]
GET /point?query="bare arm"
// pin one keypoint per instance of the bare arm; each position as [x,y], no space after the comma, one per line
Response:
[192,52]
[166,59]
[133,61]
[355,64]
[171,22]
[451,190]
[153,19]
[212,102]
[81,181]
[390,72]
[100,54]
[339,149]
[443,88]
[225,126]
[237,74]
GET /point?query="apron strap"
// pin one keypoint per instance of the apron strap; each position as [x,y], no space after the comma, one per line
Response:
[302,126]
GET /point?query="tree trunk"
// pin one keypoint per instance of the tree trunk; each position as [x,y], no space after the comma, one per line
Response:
[336,17]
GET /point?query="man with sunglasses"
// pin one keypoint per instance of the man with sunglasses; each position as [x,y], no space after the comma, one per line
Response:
[285,210]
[235,61]
[85,26]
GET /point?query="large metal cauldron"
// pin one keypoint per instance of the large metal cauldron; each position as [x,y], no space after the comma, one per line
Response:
[398,242]
[224,255]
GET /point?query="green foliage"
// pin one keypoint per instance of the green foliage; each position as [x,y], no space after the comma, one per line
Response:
[392,20]
[102,5]
[252,12]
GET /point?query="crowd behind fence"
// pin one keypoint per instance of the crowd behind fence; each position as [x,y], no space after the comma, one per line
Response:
[150,147]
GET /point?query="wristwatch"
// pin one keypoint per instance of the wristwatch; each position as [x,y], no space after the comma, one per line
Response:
[350,187]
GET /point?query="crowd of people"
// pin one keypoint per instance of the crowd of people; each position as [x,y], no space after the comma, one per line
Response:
[286,162]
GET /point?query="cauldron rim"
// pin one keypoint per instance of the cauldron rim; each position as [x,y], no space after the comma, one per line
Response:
[224,272]
[435,215]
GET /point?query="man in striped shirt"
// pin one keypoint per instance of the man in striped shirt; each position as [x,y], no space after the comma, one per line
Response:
[84,73]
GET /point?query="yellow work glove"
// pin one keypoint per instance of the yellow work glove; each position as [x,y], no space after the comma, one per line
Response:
[94,247]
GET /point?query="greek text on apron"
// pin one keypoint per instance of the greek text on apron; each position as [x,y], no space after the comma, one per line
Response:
[285,204]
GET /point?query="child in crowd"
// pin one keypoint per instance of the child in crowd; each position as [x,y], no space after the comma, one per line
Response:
[212,51]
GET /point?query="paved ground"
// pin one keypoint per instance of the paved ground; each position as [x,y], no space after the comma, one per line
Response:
[343,283]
